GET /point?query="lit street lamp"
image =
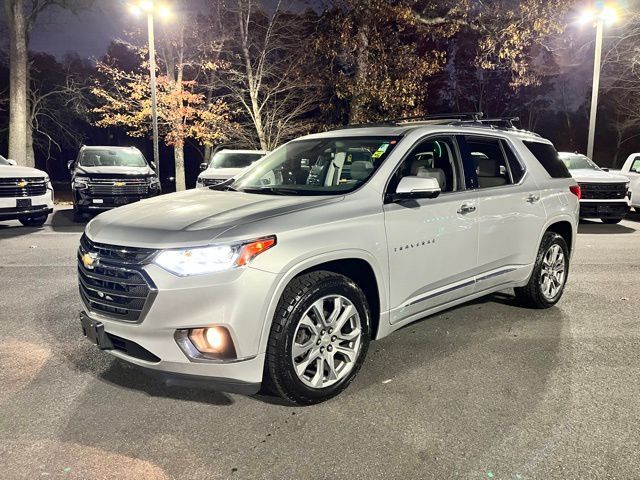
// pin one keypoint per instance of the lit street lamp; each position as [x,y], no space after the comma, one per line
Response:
[600,16]
[152,8]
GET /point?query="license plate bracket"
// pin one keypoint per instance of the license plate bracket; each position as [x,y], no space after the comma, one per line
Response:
[23,202]
[94,331]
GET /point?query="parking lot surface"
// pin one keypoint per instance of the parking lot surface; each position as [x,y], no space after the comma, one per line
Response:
[485,390]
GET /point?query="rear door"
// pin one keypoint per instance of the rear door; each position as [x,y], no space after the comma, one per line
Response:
[510,213]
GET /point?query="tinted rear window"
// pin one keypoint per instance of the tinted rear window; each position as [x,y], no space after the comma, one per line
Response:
[549,159]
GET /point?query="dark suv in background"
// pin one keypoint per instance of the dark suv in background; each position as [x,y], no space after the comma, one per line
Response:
[107,177]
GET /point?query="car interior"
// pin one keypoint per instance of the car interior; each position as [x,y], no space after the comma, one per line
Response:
[490,163]
[433,158]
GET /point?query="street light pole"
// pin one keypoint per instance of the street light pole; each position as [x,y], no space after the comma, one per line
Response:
[596,86]
[154,100]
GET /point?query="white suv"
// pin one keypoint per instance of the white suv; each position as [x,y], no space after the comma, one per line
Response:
[226,164]
[26,194]
[283,277]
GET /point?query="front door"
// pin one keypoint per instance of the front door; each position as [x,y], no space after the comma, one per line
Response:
[432,243]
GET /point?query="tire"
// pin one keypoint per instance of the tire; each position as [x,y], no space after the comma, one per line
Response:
[611,221]
[296,324]
[536,293]
[34,221]
[78,216]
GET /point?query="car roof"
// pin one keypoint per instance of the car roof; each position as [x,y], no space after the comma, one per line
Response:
[230,150]
[106,147]
[426,127]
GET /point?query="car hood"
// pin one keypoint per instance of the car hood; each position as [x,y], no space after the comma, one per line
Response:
[117,171]
[597,176]
[193,217]
[220,172]
[8,171]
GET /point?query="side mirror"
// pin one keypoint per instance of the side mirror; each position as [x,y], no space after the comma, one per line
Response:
[70,165]
[417,187]
[13,163]
[204,166]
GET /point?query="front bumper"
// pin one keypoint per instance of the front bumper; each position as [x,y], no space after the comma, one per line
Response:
[85,201]
[604,209]
[40,205]
[235,299]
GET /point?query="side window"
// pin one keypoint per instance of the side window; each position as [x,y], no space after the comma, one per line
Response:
[549,159]
[489,161]
[432,158]
[517,169]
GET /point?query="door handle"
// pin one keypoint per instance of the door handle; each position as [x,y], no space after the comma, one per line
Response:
[533,198]
[466,209]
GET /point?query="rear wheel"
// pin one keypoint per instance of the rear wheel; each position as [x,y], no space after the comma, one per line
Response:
[34,221]
[611,221]
[319,338]
[78,215]
[549,277]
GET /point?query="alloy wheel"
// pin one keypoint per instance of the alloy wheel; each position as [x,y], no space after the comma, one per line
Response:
[553,272]
[327,342]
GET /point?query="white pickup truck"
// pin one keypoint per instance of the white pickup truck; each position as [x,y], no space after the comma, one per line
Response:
[631,170]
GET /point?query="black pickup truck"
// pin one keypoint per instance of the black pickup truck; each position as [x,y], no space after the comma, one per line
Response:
[107,177]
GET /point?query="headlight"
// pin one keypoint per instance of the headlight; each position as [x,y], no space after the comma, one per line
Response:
[199,182]
[80,182]
[213,258]
[154,182]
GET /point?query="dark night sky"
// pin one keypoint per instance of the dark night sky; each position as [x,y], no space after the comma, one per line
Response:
[89,32]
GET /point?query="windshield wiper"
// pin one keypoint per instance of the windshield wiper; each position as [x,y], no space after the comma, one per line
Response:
[224,186]
[271,190]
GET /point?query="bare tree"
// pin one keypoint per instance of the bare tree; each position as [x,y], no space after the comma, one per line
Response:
[621,79]
[263,75]
[21,17]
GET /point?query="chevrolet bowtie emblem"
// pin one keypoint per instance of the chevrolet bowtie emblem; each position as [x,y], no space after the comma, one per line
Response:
[119,184]
[22,184]
[89,260]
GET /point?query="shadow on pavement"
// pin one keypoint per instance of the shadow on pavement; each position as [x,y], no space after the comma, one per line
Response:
[134,378]
[599,228]
[62,221]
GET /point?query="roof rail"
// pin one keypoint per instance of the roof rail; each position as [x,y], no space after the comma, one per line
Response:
[469,116]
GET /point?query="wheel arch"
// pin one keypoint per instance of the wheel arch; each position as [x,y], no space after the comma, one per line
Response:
[358,265]
[565,229]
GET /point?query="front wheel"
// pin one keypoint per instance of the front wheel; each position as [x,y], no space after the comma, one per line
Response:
[611,221]
[319,338]
[549,276]
[34,221]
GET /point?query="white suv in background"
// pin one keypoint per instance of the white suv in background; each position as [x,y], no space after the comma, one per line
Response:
[226,164]
[26,194]
[282,277]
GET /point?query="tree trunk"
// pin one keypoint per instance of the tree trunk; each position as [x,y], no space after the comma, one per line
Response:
[252,80]
[18,60]
[178,155]
[357,104]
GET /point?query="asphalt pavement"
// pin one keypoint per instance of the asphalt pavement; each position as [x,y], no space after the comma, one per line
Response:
[485,390]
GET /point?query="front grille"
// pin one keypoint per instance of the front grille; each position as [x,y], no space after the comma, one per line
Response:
[208,182]
[603,191]
[115,285]
[118,186]
[22,187]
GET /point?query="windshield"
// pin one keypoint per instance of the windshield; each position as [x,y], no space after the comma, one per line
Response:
[234,159]
[322,166]
[4,161]
[112,158]
[579,162]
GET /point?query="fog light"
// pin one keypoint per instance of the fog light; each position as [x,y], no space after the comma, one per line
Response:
[207,343]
